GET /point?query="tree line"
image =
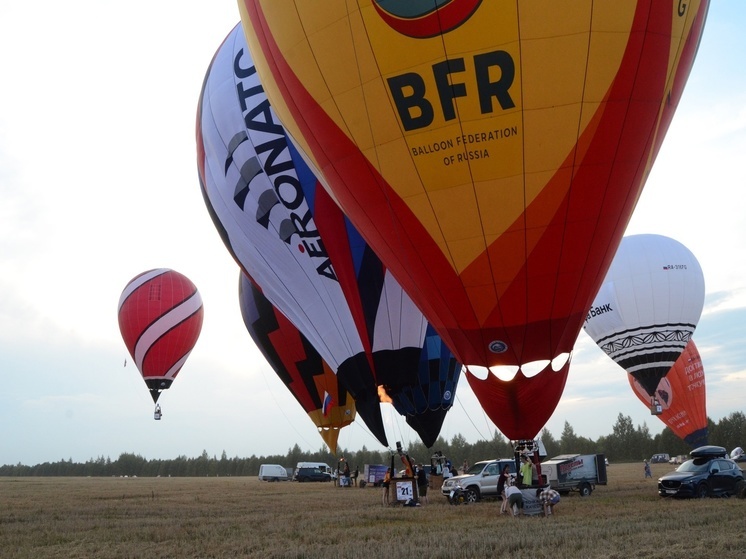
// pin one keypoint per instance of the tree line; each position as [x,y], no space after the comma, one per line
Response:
[626,443]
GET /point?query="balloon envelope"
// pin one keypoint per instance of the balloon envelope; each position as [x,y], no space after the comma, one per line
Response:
[300,367]
[490,152]
[160,318]
[682,395]
[293,241]
[648,306]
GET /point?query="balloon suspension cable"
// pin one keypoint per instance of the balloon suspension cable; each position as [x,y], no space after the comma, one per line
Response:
[282,411]
[461,404]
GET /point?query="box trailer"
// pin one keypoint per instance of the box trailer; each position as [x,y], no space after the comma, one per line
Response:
[272,472]
[373,474]
[575,472]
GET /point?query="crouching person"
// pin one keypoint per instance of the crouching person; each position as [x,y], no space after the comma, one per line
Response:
[549,498]
[515,500]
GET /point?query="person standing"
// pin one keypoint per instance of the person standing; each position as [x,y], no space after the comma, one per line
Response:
[648,474]
[465,467]
[386,483]
[346,475]
[503,481]
[422,483]
[526,470]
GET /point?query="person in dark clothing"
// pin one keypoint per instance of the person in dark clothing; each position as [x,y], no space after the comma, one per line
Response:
[422,483]
[503,481]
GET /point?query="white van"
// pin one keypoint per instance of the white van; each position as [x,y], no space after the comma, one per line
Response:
[272,472]
[323,466]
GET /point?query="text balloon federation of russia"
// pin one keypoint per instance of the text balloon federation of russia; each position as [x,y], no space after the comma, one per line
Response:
[491,152]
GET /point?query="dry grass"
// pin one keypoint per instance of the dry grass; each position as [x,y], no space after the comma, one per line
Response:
[242,517]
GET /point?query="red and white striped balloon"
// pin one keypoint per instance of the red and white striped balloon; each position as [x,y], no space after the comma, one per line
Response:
[160,318]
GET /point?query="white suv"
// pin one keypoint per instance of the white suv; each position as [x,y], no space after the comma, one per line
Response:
[480,481]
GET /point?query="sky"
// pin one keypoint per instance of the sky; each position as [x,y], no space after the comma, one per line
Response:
[98,182]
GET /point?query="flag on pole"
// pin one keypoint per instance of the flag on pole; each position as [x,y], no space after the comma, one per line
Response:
[327,403]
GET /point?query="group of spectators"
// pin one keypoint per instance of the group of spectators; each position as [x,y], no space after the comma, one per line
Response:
[512,497]
[346,477]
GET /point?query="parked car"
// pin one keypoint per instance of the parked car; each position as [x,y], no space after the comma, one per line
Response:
[709,472]
[311,474]
[480,481]
[660,458]
[680,459]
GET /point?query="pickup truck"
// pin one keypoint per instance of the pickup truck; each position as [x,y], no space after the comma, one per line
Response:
[480,481]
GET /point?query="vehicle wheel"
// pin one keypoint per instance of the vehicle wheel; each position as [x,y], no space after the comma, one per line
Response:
[741,489]
[472,495]
[585,489]
[703,491]
[304,479]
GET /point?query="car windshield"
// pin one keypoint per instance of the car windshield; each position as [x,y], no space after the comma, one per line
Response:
[476,469]
[694,466]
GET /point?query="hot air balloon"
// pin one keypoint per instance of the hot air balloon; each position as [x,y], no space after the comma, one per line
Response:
[491,153]
[160,318]
[682,397]
[648,307]
[289,237]
[300,367]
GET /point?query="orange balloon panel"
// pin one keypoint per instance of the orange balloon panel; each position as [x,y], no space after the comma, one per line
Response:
[491,153]
[682,396]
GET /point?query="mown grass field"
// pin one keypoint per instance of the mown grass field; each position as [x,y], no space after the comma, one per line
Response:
[242,517]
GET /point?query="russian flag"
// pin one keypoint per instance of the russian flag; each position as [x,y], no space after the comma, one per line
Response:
[327,403]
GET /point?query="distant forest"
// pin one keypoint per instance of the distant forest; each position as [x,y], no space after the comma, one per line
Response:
[626,443]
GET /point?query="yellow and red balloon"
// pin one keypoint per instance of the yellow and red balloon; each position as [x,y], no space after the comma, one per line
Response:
[491,153]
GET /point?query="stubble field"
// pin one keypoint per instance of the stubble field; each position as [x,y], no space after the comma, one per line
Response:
[242,517]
